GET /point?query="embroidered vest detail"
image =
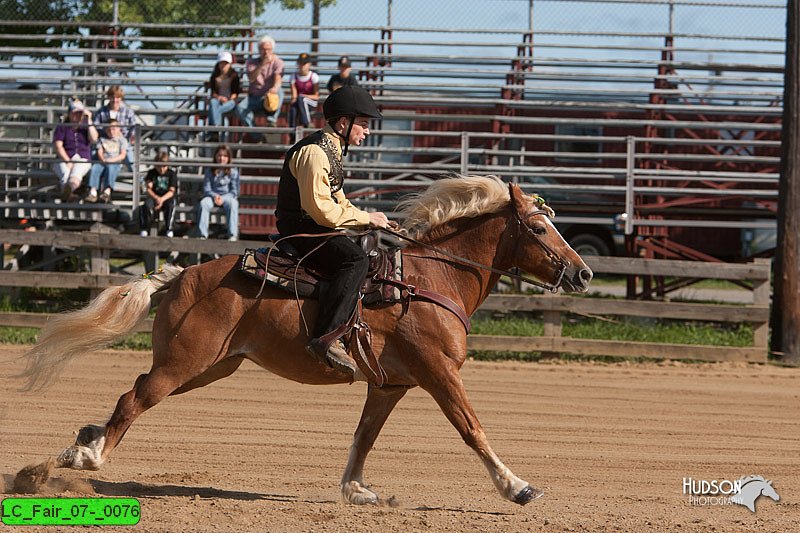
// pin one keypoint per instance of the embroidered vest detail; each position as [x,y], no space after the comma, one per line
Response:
[337,172]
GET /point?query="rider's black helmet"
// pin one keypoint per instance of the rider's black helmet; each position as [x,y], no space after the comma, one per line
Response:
[350,101]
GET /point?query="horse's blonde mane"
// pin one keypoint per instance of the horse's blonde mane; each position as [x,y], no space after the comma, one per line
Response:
[451,198]
[748,479]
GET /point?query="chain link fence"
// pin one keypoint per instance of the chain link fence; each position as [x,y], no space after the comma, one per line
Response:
[741,18]
[705,31]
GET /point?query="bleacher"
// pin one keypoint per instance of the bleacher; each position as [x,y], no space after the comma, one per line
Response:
[532,111]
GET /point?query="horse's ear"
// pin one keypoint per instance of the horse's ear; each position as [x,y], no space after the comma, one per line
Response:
[517,198]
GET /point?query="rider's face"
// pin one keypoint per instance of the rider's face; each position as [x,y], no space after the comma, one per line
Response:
[360,131]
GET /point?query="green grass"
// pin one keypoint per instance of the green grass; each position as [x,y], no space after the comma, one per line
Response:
[9,335]
[632,329]
[13,335]
[639,330]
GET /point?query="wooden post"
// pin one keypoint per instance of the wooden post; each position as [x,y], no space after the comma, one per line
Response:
[100,256]
[552,325]
[785,319]
[151,259]
[761,299]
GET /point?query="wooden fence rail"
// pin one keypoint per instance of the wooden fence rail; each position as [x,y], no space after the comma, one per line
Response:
[553,307]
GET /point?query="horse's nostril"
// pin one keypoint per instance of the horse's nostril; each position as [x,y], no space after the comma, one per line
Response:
[586,275]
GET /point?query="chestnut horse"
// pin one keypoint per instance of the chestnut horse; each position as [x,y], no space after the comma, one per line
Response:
[209,320]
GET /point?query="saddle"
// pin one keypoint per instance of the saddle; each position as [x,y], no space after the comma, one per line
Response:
[280,267]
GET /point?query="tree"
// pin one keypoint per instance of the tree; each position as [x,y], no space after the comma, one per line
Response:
[14,11]
[196,19]
[316,6]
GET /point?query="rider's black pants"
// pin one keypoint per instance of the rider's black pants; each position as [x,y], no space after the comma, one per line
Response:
[343,259]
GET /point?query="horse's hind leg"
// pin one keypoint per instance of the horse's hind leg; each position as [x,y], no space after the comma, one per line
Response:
[95,443]
[446,387]
[379,404]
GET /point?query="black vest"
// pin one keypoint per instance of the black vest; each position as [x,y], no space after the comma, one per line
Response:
[288,211]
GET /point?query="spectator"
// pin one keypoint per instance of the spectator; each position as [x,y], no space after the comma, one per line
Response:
[264,75]
[343,78]
[111,150]
[220,189]
[305,92]
[117,110]
[162,185]
[225,88]
[72,141]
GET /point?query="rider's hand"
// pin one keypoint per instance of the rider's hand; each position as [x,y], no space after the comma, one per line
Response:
[378,220]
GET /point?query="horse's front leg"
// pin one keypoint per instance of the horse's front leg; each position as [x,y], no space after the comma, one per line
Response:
[377,408]
[445,385]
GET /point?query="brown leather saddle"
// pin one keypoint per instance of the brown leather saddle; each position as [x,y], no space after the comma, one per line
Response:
[282,267]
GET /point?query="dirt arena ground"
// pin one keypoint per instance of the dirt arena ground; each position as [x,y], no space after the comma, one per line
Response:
[609,444]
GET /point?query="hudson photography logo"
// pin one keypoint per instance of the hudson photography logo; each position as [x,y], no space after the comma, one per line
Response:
[744,491]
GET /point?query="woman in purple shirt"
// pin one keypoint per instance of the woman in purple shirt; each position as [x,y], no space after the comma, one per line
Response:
[72,141]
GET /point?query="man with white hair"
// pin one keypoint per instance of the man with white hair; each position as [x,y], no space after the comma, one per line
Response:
[264,74]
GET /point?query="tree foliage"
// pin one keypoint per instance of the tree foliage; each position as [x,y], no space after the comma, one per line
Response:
[197,19]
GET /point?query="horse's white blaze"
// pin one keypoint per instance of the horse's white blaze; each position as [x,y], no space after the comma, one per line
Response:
[87,457]
[553,228]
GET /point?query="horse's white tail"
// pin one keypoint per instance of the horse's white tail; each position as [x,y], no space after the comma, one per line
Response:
[107,318]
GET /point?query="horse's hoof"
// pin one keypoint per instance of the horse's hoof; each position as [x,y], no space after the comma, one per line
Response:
[79,458]
[357,494]
[66,458]
[528,494]
[86,453]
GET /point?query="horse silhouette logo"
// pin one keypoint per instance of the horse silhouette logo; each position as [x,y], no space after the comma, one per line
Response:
[751,488]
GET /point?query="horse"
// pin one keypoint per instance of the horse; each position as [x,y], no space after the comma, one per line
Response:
[752,487]
[209,320]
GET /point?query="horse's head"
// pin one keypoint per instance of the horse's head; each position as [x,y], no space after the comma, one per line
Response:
[768,490]
[540,249]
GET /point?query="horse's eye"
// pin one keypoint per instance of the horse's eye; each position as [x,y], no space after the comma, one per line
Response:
[539,230]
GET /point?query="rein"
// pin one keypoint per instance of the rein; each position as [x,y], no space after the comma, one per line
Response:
[552,287]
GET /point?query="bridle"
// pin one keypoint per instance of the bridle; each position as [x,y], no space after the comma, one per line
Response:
[551,255]
[524,229]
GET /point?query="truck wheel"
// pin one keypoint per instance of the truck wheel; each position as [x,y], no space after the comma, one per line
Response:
[589,244]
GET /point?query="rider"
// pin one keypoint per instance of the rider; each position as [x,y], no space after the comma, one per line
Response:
[311,200]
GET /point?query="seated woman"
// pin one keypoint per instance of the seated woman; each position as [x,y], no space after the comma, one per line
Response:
[305,92]
[225,87]
[220,189]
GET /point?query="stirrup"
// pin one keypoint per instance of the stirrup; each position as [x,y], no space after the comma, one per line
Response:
[335,357]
